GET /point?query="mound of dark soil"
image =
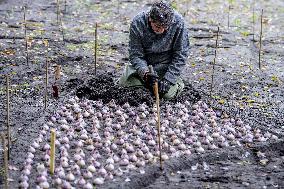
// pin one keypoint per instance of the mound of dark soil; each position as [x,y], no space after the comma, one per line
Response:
[103,87]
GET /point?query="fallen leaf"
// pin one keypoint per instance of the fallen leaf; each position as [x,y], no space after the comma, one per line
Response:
[256,94]
[8,52]
[222,101]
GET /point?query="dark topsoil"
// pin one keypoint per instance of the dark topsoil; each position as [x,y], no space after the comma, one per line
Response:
[240,89]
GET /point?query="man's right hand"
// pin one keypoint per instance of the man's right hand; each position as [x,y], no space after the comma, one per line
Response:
[150,79]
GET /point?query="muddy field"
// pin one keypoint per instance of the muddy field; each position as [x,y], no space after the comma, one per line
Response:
[241,90]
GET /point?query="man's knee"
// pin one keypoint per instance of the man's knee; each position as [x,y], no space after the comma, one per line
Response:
[175,90]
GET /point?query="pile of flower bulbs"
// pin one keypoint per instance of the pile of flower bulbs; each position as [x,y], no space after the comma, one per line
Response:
[97,142]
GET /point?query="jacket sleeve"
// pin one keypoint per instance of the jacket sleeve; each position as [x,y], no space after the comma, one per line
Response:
[180,54]
[136,52]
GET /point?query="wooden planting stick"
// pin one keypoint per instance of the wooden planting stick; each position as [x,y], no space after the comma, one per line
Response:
[260,39]
[253,21]
[156,92]
[26,39]
[5,161]
[8,113]
[52,151]
[46,83]
[215,54]
[96,47]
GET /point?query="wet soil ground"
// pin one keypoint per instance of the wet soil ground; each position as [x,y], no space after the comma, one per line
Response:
[240,88]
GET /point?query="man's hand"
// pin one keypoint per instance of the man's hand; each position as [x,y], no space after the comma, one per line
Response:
[150,80]
[164,86]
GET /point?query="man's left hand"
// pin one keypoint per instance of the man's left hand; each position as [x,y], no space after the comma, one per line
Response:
[164,86]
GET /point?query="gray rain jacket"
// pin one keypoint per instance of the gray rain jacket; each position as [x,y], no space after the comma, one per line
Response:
[167,52]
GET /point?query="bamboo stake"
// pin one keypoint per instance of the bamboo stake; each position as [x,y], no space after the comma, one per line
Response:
[253,20]
[156,92]
[96,47]
[46,83]
[6,186]
[26,39]
[260,39]
[52,151]
[8,113]
[214,61]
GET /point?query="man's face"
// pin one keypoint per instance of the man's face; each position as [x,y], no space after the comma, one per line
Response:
[157,28]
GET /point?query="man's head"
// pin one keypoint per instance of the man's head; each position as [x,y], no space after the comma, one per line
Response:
[160,17]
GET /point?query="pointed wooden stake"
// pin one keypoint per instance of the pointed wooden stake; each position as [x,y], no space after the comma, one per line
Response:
[52,151]
[156,92]
[260,41]
[46,83]
[214,61]
[96,47]
[6,163]
[8,113]
[26,38]
[253,20]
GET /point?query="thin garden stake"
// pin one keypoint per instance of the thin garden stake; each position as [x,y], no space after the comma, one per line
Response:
[96,47]
[46,83]
[253,20]
[156,92]
[26,38]
[214,61]
[52,151]
[6,186]
[260,39]
[8,113]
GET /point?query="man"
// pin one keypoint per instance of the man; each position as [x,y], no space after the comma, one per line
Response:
[158,38]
